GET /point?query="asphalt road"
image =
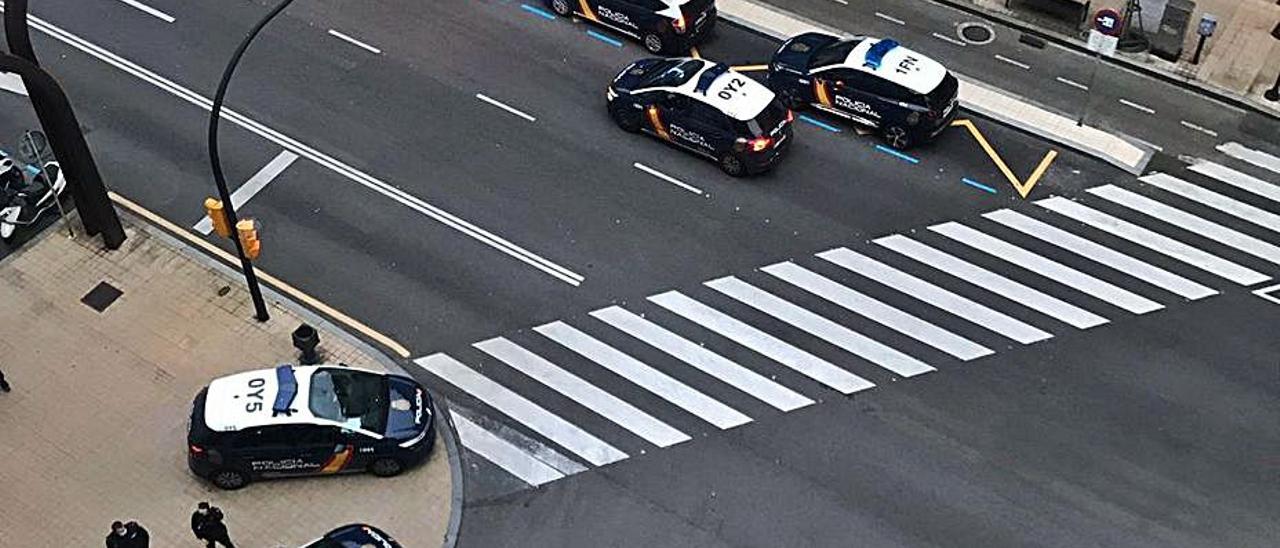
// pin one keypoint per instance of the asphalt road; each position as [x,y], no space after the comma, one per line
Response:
[1152,430]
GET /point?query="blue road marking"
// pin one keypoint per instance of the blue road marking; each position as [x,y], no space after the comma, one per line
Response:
[538,11]
[819,123]
[900,155]
[977,185]
[605,38]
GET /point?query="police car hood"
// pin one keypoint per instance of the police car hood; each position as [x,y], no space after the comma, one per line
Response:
[901,66]
[738,96]
[410,408]
[245,400]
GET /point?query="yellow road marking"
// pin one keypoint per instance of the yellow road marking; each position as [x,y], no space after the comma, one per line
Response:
[1023,188]
[586,11]
[694,52]
[272,280]
[748,68]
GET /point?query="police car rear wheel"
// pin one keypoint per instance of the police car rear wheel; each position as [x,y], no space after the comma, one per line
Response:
[653,43]
[627,118]
[732,165]
[229,480]
[386,467]
[561,7]
[897,137]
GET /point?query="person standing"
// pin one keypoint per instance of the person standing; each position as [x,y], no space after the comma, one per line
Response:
[207,525]
[128,535]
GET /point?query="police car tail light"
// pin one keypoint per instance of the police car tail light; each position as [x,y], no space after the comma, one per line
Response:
[679,25]
[759,143]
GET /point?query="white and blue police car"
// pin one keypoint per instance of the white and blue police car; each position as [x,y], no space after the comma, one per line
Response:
[703,107]
[878,83]
[307,420]
[355,535]
[662,26]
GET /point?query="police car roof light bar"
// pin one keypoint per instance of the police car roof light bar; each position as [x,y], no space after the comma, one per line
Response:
[708,77]
[287,390]
[876,53]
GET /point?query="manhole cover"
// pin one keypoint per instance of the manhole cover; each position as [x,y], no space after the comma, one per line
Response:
[978,34]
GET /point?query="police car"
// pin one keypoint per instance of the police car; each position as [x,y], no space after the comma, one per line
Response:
[907,96]
[704,107]
[309,420]
[662,26]
[356,535]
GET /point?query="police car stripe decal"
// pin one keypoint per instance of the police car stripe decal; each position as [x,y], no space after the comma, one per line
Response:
[657,123]
[586,11]
[337,462]
[820,91]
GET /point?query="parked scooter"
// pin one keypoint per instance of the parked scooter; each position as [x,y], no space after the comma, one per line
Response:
[23,201]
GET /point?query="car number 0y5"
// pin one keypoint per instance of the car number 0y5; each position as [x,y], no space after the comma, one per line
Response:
[735,84]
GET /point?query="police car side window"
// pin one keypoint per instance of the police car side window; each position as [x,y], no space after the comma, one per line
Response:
[315,434]
[887,89]
[651,5]
[707,114]
[265,436]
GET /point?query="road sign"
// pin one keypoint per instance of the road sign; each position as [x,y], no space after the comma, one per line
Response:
[1107,21]
[1103,44]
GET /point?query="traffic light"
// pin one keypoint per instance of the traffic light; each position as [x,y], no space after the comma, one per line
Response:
[218,215]
[248,231]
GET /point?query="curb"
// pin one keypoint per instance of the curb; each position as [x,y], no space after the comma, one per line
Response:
[453,447]
[1062,40]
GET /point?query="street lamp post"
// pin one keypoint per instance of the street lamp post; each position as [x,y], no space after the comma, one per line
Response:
[215,162]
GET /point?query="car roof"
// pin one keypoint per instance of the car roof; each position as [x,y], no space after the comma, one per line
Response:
[229,403]
[889,60]
[744,102]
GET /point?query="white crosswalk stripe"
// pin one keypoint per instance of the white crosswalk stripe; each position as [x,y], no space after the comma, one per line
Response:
[803,362]
[562,432]
[1154,275]
[1154,241]
[1238,179]
[631,369]
[1255,157]
[851,341]
[1048,268]
[588,395]
[936,296]
[877,311]
[1027,296]
[737,376]
[1189,222]
[502,453]
[1255,215]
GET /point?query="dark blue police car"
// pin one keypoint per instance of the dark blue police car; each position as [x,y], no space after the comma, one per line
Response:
[662,26]
[356,535]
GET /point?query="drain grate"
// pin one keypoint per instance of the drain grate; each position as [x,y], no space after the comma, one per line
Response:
[101,296]
[978,34]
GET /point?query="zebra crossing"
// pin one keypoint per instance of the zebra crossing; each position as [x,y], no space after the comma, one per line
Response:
[587,391]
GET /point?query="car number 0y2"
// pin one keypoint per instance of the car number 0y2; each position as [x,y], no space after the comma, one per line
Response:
[734,85]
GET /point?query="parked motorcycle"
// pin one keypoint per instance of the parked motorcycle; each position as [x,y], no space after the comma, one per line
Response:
[23,201]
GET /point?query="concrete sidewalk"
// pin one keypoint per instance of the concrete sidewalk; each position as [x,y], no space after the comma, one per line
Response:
[95,427]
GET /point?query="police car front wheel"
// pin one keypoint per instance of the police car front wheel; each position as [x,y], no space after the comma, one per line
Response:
[386,467]
[229,480]
[897,137]
[627,118]
[732,165]
[653,43]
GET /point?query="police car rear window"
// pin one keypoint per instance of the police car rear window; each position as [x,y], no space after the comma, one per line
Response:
[768,119]
[673,73]
[356,398]
[833,54]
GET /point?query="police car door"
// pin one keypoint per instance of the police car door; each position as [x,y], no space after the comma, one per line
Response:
[850,95]
[712,128]
[321,446]
[619,14]
[271,451]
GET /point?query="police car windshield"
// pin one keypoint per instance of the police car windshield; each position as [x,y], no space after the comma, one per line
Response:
[358,399]
[673,73]
[834,54]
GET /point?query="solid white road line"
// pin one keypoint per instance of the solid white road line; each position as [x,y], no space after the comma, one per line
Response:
[1154,275]
[505,107]
[1049,268]
[890,18]
[737,376]
[1238,179]
[536,449]
[354,42]
[1191,223]
[949,39]
[1072,83]
[667,178]
[1199,128]
[1255,157]
[254,185]
[877,311]
[995,283]
[150,11]
[842,2]
[588,395]
[644,376]
[502,453]
[1136,106]
[305,151]
[842,337]
[803,362]
[1013,62]
[1154,241]
[938,297]
[566,434]
[1255,215]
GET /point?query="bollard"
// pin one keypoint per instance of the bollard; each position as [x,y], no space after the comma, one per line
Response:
[305,339]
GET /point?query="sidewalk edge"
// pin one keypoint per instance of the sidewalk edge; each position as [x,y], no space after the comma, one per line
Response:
[1065,41]
[453,448]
